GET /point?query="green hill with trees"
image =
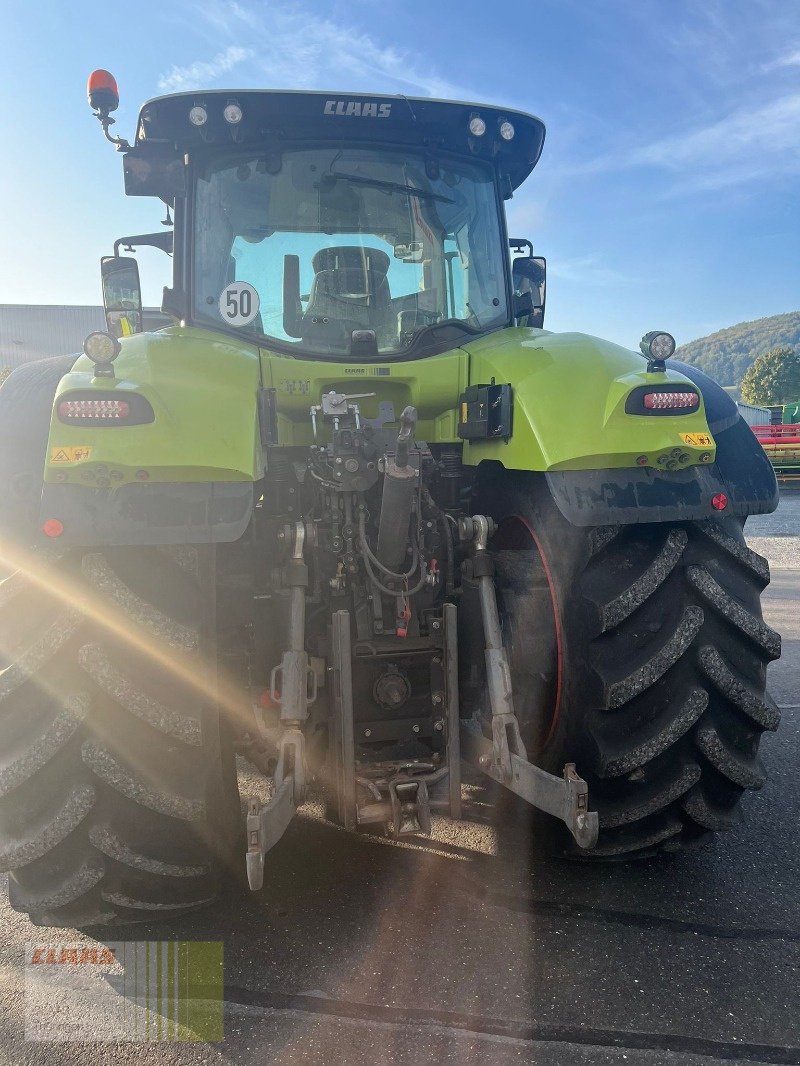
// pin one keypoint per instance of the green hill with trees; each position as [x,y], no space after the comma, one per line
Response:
[728,353]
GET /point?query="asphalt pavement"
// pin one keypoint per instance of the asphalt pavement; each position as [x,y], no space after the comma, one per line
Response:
[471,947]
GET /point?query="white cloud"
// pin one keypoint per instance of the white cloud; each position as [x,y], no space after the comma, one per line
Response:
[292,46]
[747,144]
[789,59]
[589,270]
[197,75]
[770,130]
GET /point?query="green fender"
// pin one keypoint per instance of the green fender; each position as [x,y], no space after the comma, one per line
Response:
[203,389]
[569,406]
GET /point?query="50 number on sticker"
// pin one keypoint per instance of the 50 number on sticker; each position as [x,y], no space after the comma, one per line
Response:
[238,303]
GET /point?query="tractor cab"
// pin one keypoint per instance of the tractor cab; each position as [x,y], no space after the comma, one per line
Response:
[355,227]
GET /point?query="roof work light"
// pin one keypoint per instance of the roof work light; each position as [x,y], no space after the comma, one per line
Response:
[232,113]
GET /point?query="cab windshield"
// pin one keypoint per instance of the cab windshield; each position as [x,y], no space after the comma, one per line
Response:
[325,243]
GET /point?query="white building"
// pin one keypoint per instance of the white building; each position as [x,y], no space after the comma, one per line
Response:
[38,331]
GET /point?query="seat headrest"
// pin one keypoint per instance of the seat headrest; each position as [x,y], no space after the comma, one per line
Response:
[350,257]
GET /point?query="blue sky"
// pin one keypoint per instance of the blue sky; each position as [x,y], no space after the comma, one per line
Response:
[666,198]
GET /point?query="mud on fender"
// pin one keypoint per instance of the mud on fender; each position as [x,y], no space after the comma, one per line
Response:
[604,497]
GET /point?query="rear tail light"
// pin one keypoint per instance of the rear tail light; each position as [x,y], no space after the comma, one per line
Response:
[662,400]
[670,401]
[89,407]
[94,410]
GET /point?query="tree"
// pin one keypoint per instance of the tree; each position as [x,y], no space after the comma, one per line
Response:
[727,354]
[773,379]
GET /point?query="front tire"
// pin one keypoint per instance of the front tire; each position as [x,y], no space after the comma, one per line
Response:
[638,652]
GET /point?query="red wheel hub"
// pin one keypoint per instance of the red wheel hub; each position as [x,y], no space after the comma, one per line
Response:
[516,533]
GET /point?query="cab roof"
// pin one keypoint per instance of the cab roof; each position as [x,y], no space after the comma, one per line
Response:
[276,117]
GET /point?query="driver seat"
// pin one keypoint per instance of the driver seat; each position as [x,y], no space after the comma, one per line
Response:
[350,291]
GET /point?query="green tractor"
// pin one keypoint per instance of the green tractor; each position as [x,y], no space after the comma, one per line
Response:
[358,518]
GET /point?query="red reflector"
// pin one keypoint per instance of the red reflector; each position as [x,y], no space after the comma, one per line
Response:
[94,410]
[670,401]
[719,502]
[53,527]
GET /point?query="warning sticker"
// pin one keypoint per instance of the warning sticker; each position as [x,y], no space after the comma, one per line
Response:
[700,440]
[69,455]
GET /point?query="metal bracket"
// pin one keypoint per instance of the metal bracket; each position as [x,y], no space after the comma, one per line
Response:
[266,825]
[453,734]
[506,741]
[337,407]
[506,737]
[397,802]
[566,798]
[385,414]
[341,741]
[293,683]
[504,757]
[411,810]
[291,763]
[289,676]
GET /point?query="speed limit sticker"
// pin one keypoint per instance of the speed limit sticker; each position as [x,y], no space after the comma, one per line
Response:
[238,303]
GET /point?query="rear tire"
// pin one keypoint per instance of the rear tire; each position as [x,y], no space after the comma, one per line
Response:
[118,795]
[649,670]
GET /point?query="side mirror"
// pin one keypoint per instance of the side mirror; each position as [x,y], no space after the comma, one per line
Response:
[529,275]
[122,295]
[411,252]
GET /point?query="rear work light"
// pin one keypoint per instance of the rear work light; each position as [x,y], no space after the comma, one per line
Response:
[94,410]
[670,401]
